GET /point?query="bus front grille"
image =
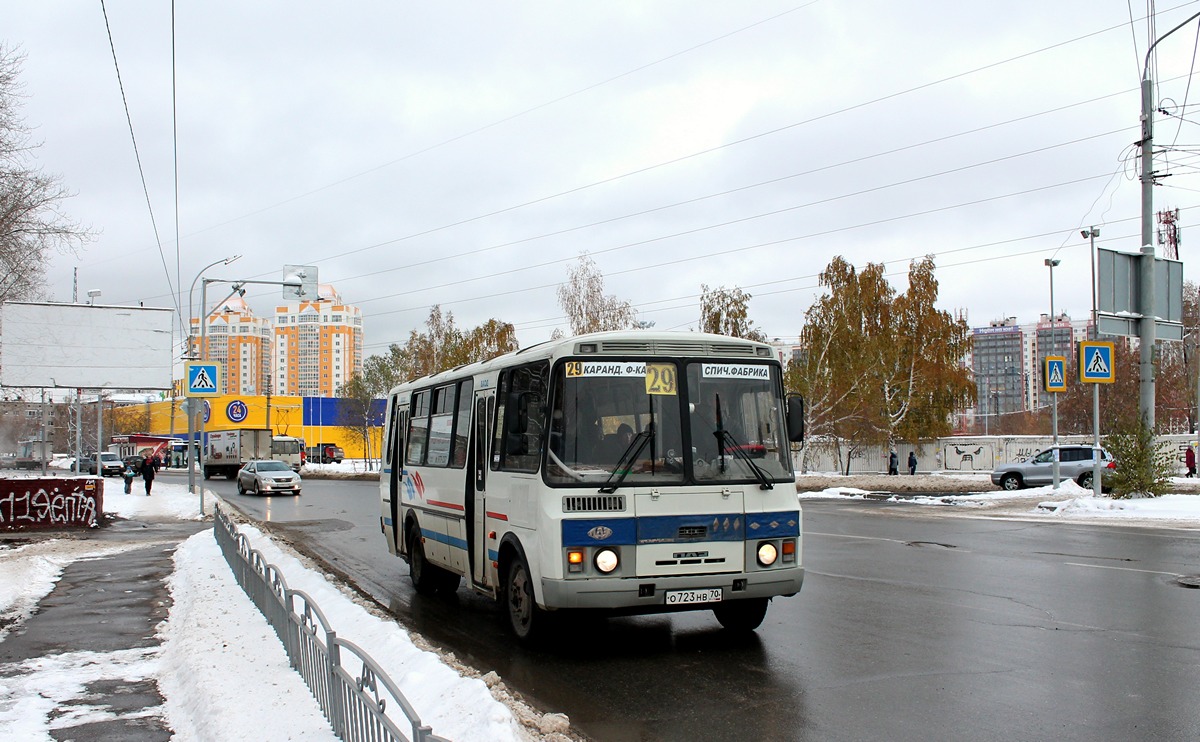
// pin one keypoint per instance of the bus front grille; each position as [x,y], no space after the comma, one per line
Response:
[594,504]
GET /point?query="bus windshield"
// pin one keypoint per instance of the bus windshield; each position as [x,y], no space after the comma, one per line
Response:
[660,422]
[603,413]
[736,423]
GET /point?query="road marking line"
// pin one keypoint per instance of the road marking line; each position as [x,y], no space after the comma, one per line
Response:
[1122,569]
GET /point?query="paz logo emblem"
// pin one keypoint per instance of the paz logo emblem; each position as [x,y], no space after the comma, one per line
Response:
[599,533]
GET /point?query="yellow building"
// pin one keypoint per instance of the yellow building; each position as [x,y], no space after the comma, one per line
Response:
[317,420]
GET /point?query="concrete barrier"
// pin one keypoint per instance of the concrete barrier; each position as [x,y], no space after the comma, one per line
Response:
[44,503]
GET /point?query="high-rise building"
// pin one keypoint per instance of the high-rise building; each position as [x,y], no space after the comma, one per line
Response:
[999,367]
[317,345]
[241,342]
[1007,361]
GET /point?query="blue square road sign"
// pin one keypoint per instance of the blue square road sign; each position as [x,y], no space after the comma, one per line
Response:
[1096,363]
[203,379]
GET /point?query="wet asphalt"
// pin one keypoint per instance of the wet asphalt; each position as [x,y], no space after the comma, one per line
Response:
[103,605]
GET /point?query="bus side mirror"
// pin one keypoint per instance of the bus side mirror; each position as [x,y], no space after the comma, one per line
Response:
[795,418]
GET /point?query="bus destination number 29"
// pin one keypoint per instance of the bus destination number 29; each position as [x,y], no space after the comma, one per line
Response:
[660,377]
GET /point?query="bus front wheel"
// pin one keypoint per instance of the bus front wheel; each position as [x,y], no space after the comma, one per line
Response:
[524,616]
[741,615]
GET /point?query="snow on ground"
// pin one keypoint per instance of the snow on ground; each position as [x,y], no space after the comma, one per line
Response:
[1070,501]
[225,675]
[222,670]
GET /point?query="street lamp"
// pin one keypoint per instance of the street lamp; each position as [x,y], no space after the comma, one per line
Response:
[191,401]
[192,292]
[1051,263]
[1091,234]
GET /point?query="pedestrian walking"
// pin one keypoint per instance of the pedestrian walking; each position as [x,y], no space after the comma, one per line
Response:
[128,475]
[1190,459]
[893,463]
[148,474]
[912,463]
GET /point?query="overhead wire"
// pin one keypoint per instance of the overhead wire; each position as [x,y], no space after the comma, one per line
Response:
[761,134]
[512,117]
[715,148]
[136,154]
[491,275]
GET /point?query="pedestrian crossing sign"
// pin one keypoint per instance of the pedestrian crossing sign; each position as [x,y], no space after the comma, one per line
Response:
[1096,363]
[203,379]
[1055,374]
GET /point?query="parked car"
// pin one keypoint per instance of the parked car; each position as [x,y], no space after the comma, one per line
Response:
[266,477]
[1075,462]
[135,462]
[110,464]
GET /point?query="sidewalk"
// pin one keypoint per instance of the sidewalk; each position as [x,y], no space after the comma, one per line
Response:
[137,630]
[106,610]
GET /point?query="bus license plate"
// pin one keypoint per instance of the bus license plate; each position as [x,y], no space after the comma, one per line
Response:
[682,597]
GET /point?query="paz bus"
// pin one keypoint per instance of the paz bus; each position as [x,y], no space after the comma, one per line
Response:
[625,472]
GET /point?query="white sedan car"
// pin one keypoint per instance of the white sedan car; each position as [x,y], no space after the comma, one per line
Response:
[267,478]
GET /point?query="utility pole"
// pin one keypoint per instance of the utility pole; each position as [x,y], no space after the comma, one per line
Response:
[1148,329]
[1146,336]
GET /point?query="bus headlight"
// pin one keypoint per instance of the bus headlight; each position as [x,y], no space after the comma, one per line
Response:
[606,560]
[767,553]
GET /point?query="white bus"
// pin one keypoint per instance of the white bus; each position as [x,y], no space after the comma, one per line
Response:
[632,472]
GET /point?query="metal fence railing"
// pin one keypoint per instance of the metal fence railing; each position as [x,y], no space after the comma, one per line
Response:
[357,707]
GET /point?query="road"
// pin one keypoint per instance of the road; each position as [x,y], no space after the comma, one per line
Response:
[911,625]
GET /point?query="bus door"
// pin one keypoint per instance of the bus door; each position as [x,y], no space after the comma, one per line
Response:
[394,471]
[481,438]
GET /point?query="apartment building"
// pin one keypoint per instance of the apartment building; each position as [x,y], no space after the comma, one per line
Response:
[241,342]
[318,345]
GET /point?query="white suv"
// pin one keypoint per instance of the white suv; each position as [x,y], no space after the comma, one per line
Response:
[1075,462]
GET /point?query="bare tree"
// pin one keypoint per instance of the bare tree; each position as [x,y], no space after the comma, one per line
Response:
[587,308]
[31,222]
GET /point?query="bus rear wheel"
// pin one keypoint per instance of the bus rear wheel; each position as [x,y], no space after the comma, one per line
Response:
[741,615]
[427,578]
[524,617]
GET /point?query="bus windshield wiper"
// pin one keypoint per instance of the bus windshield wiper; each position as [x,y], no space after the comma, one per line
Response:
[727,441]
[625,463]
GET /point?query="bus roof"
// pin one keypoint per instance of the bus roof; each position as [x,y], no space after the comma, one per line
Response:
[613,343]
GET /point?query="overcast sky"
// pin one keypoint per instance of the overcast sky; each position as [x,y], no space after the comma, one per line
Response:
[465,154]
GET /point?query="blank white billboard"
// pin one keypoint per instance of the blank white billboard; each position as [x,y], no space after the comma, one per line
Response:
[84,346]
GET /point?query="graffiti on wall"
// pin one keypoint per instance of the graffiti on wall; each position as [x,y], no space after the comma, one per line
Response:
[28,504]
[969,457]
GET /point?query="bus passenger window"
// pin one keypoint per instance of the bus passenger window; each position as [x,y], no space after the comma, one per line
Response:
[418,429]
[521,416]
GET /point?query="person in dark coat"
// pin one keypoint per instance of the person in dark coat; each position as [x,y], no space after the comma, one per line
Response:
[912,462]
[893,463]
[148,474]
[1189,458]
[128,476]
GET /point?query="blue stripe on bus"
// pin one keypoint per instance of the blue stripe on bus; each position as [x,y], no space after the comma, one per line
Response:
[668,529]
[493,555]
[665,529]
[773,525]
[594,531]
[442,538]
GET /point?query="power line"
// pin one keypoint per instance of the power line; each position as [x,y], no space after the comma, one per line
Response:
[141,173]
